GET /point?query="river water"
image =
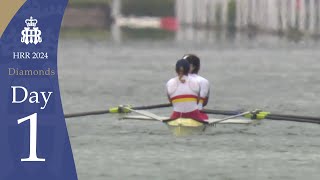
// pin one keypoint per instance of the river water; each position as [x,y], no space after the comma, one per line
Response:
[271,74]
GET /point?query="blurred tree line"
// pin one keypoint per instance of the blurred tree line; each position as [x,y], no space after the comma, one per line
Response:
[135,7]
[148,7]
[89,2]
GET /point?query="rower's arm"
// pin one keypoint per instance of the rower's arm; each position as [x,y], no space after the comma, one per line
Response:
[169,98]
[205,91]
[206,99]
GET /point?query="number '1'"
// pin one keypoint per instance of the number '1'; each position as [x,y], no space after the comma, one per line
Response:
[33,137]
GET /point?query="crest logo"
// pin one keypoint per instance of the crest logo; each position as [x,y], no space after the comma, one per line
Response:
[31,33]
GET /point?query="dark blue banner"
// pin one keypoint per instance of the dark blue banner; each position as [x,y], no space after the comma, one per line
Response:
[34,142]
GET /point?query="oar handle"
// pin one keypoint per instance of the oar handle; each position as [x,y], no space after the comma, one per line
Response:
[221,112]
[152,106]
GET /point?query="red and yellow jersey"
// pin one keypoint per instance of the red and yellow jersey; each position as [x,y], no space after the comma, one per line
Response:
[183,95]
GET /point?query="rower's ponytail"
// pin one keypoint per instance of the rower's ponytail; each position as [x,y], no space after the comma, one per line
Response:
[181,74]
[182,68]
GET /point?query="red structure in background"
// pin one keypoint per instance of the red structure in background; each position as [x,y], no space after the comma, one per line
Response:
[169,23]
[298,4]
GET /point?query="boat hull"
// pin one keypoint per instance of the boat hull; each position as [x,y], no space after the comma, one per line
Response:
[185,126]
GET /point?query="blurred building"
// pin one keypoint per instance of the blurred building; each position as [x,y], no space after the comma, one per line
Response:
[191,18]
[274,16]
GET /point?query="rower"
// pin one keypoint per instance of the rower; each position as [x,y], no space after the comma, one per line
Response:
[204,83]
[183,92]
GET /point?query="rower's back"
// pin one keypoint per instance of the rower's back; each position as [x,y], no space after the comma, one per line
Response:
[183,93]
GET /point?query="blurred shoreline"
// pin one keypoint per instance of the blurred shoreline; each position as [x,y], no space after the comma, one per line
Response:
[296,20]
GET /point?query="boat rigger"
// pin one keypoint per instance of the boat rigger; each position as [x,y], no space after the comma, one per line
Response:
[188,126]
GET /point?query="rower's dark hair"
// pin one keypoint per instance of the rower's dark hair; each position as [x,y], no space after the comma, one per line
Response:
[182,68]
[194,60]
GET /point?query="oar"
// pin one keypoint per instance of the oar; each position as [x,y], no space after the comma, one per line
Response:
[115,110]
[230,117]
[267,115]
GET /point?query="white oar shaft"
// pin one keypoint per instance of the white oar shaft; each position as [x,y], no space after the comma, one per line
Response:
[229,117]
[144,113]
